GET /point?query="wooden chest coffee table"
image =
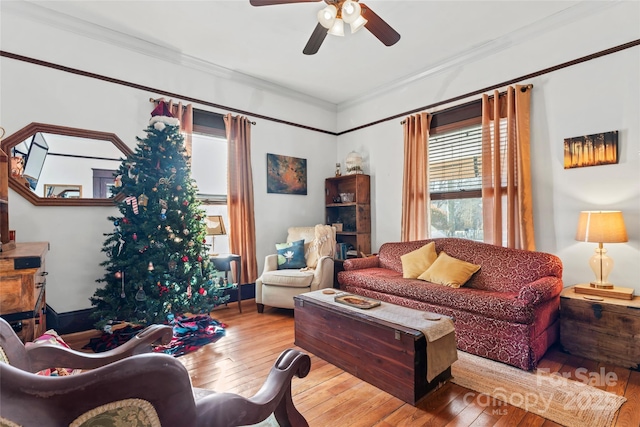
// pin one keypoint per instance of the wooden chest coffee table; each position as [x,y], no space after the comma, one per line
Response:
[389,356]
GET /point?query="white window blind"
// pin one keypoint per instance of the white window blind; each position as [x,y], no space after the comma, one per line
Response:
[455,160]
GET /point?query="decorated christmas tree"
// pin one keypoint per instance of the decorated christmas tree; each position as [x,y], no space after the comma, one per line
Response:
[157,266]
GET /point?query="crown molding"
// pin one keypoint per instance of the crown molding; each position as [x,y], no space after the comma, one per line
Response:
[32,11]
[483,50]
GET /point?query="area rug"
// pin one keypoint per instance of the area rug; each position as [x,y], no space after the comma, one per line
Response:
[566,402]
[189,334]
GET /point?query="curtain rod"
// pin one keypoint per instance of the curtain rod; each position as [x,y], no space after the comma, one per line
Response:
[522,89]
[157,101]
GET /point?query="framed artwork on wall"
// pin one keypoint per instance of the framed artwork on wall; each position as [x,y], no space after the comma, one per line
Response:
[591,150]
[286,175]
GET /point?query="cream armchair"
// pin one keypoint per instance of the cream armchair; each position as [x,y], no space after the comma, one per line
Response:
[276,288]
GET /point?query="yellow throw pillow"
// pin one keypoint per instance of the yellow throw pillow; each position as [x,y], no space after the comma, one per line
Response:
[416,262]
[449,271]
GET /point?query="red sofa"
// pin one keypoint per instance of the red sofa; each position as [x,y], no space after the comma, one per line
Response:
[507,311]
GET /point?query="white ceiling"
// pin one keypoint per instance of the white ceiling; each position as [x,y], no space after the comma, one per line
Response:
[265,43]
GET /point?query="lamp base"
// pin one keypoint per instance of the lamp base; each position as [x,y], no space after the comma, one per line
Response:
[616,292]
[601,285]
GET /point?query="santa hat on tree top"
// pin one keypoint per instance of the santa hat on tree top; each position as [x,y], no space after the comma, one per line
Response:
[161,114]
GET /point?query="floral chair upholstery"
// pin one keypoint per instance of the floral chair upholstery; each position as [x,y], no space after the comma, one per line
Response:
[277,287]
[124,387]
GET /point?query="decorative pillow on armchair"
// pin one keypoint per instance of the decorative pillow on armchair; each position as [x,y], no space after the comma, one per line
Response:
[449,271]
[291,255]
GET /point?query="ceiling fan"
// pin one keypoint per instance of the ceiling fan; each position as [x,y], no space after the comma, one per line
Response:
[332,18]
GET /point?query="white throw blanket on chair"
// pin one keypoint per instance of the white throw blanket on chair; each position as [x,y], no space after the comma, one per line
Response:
[323,245]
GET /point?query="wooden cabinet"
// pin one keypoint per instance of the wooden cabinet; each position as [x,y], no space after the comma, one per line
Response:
[4,202]
[22,289]
[601,328]
[355,215]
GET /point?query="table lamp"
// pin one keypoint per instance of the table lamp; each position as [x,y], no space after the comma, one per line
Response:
[215,227]
[601,227]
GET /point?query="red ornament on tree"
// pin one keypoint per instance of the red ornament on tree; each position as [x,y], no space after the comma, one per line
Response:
[199,258]
[118,275]
[185,258]
[185,203]
[202,291]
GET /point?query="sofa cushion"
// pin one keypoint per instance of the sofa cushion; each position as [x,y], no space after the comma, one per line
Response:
[290,278]
[449,271]
[498,305]
[291,255]
[417,262]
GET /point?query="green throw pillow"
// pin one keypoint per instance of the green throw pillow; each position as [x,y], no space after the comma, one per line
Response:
[291,255]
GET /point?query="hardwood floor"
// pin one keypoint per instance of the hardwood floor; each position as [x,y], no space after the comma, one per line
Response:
[328,396]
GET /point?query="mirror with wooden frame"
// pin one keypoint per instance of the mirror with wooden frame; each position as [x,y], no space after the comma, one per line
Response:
[43,155]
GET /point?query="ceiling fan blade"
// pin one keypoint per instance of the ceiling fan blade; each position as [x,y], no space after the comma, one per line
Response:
[378,27]
[316,39]
[272,2]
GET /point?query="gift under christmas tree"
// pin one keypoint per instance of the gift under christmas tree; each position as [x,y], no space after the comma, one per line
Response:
[158,265]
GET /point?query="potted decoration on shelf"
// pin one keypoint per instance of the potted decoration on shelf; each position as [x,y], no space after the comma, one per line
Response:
[353,163]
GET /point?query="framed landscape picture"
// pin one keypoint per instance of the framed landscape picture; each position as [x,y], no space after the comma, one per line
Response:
[286,175]
[591,150]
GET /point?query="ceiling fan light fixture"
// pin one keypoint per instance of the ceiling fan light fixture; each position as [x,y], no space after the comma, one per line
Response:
[358,24]
[327,16]
[350,11]
[338,28]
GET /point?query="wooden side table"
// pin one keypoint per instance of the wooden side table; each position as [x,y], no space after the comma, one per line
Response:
[222,262]
[600,328]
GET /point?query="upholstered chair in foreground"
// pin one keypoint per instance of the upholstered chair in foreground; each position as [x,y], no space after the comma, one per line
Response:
[139,390]
[289,273]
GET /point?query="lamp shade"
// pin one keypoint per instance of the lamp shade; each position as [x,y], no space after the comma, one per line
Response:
[338,28]
[358,24]
[215,225]
[601,227]
[350,11]
[327,16]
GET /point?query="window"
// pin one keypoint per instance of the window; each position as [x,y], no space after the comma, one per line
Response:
[455,172]
[209,170]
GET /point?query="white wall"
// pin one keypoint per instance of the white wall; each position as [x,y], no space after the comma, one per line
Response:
[32,93]
[592,97]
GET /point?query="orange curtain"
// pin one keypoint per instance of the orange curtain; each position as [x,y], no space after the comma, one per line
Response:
[415,187]
[242,235]
[506,169]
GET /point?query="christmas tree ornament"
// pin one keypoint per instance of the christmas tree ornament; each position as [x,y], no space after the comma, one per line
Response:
[117,182]
[125,220]
[172,265]
[150,267]
[122,294]
[177,240]
[118,274]
[185,203]
[189,291]
[185,258]
[173,170]
[179,187]
[202,291]
[143,199]
[199,258]
[154,189]
[135,237]
[133,202]
[185,232]
[141,295]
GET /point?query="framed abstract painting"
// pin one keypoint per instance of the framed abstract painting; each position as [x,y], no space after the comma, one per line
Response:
[286,175]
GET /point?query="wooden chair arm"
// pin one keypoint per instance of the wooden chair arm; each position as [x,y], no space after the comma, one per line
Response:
[43,356]
[226,409]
